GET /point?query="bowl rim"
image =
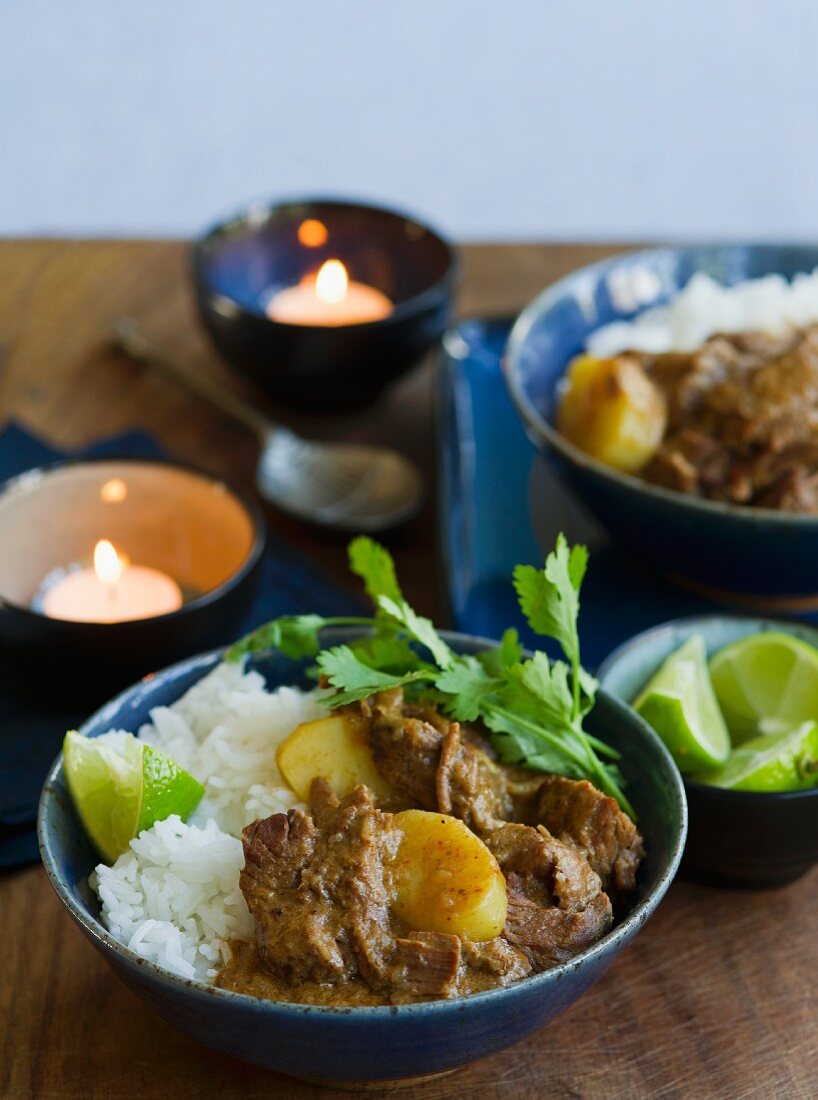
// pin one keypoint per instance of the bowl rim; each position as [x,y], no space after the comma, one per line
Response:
[95,930]
[257,212]
[645,638]
[541,431]
[204,599]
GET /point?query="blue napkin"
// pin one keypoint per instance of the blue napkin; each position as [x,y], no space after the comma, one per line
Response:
[31,731]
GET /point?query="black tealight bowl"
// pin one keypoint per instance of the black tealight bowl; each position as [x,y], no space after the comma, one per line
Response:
[241,263]
[735,838]
[184,522]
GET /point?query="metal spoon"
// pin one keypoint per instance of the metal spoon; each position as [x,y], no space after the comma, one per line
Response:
[352,487]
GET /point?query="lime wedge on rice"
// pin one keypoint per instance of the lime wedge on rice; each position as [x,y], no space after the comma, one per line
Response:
[773,762]
[680,705]
[766,684]
[120,786]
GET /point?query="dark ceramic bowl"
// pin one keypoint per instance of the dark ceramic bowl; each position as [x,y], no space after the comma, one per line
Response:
[187,523]
[240,263]
[727,550]
[378,1043]
[736,838]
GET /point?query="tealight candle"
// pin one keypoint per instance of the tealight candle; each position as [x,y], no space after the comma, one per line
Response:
[113,591]
[329,298]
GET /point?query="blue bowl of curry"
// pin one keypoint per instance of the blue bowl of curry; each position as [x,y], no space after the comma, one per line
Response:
[725,534]
[339,1041]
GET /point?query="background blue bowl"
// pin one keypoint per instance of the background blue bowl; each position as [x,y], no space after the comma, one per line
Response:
[736,838]
[377,1043]
[726,550]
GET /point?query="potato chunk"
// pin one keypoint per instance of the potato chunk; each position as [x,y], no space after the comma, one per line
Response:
[334,748]
[611,410]
[445,879]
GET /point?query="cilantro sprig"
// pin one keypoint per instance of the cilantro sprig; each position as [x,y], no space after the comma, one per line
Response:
[533,707]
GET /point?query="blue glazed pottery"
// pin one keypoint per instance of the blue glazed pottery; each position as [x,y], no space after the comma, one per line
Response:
[761,556]
[736,838]
[239,264]
[387,1043]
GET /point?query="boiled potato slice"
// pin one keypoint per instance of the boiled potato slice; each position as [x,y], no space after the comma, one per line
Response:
[612,411]
[334,748]
[445,879]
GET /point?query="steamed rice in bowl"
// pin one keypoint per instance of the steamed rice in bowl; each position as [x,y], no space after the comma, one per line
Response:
[174,896]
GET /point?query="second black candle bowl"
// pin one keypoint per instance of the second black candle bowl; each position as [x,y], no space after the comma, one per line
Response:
[241,263]
[173,519]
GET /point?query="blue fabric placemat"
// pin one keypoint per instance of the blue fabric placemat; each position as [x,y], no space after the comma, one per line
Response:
[502,504]
[31,733]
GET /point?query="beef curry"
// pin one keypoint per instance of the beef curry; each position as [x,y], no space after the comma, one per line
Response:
[529,864]
[735,420]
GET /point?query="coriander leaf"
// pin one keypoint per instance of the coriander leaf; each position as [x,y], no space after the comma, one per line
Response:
[466,684]
[549,597]
[519,741]
[548,683]
[388,653]
[577,563]
[354,680]
[588,685]
[374,565]
[504,656]
[510,650]
[422,630]
[295,636]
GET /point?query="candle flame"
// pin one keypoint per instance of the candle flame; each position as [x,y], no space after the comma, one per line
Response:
[107,563]
[312,233]
[332,281]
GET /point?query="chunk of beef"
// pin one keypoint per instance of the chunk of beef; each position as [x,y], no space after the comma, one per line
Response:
[316,889]
[435,764]
[556,905]
[577,813]
[426,964]
[552,936]
[743,419]
[493,962]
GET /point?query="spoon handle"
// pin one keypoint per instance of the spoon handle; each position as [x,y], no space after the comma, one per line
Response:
[133,341]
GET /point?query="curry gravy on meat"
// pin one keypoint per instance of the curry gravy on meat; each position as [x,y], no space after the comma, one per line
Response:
[320,887]
[735,421]
[742,420]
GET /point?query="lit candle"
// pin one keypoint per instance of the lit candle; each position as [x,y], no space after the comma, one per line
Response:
[114,591]
[329,298]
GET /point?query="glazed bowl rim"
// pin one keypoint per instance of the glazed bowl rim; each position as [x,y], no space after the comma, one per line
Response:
[645,637]
[204,599]
[542,431]
[202,663]
[263,208]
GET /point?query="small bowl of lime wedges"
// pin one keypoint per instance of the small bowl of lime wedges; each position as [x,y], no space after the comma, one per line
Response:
[736,702]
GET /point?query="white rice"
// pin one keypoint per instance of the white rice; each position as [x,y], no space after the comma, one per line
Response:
[705,307]
[174,896]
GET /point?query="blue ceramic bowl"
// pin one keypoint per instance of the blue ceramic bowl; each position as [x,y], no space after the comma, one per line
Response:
[240,263]
[736,838]
[726,550]
[377,1043]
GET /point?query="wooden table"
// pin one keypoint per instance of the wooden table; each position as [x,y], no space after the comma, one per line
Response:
[716,998]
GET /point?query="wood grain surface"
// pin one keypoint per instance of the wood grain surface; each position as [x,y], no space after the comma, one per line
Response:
[717,996]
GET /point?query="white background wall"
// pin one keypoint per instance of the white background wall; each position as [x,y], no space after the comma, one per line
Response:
[495,118]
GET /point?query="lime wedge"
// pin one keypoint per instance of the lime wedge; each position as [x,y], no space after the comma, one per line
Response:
[773,762]
[120,786]
[680,705]
[766,684]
